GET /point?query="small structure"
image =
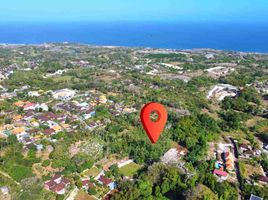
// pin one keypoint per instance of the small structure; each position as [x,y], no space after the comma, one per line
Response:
[57,184]
[244,147]
[229,160]
[209,56]
[30,106]
[33,94]
[222,174]
[107,182]
[87,185]
[219,71]
[173,155]
[221,91]
[263,179]
[247,151]
[49,131]
[64,94]
[254,197]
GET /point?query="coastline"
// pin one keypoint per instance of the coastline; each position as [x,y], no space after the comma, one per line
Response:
[135,47]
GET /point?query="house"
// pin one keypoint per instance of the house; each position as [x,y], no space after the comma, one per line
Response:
[265,146]
[256,152]
[22,136]
[89,113]
[244,147]
[65,126]
[87,185]
[42,106]
[248,153]
[229,160]
[57,128]
[34,123]
[57,184]
[107,182]
[59,188]
[219,71]
[51,123]
[29,115]
[103,99]
[30,106]
[173,155]
[27,141]
[64,94]
[47,117]
[263,179]
[33,94]
[209,56]
[93,125]
[17,117]
[49,131]
[33,131]
[129,110]
[222,174]
[39,147]
[221,91]
[19,103]
[18,130]
[254,197]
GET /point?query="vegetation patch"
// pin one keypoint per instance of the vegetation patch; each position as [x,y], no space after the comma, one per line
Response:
[130,169]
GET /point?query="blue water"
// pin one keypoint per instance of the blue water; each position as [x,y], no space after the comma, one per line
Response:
[225,36]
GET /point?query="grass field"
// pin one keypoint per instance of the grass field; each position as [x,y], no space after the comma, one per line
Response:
[82,195]
[130,169]
[94,171]
[62,78]
[248,170]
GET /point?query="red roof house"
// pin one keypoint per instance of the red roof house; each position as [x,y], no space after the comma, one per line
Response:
[104,180]
[222,174]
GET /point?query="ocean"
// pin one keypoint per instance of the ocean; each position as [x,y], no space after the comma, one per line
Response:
[224,36]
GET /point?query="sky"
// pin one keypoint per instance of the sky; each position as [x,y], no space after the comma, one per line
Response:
[133,10]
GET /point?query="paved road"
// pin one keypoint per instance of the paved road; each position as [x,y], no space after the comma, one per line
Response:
[237,169]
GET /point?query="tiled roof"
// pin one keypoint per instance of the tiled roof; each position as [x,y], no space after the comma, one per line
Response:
[48,131]
[221,173]
[104,180]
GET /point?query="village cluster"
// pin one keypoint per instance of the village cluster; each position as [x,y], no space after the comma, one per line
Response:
[31,122]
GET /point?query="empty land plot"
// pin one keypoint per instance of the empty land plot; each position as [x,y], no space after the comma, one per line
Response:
[130,169]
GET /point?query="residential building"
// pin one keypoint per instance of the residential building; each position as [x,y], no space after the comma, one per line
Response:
[57,184]
[254,197]
[222,174]
[64,94]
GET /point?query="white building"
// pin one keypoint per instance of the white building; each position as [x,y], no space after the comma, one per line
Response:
[33,94]
[219,71]
[64,94]
[209,56]
[221,91]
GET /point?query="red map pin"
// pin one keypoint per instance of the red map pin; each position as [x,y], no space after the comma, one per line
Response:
[153,128]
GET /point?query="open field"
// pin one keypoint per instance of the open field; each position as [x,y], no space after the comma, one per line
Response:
[82,195]
[94,171]
[130,169]
[248,170]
